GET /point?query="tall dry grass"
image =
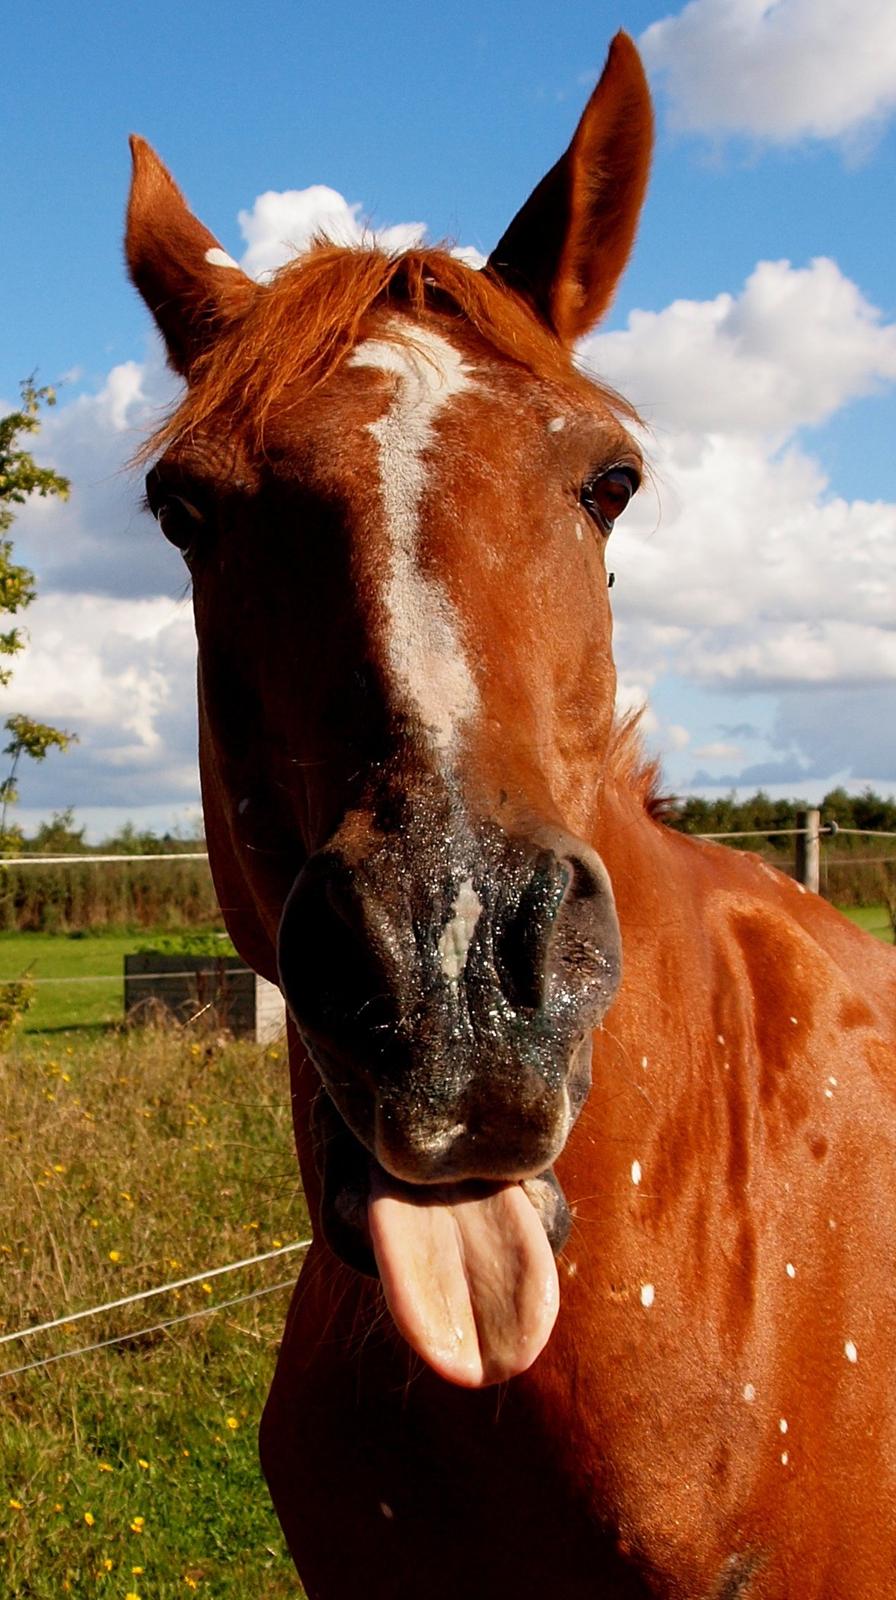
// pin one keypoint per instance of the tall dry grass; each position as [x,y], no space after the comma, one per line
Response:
[130,1160]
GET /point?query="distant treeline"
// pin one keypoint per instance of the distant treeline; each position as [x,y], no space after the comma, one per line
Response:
[856,869]
[138,894]
[760,811]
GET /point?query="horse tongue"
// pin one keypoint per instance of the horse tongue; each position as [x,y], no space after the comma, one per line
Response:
[469,1276]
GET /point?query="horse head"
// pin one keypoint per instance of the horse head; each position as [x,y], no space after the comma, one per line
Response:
[393,490]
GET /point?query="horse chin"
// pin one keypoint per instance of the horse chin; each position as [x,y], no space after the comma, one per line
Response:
[350,1174]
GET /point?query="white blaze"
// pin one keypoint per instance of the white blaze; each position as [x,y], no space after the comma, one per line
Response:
[457,935]
[423,639]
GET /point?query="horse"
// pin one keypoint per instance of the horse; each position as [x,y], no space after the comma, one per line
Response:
[596,1121]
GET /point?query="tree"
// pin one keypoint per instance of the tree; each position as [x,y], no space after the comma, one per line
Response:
[21,477]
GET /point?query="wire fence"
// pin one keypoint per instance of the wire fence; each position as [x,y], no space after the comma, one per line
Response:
[140,1297]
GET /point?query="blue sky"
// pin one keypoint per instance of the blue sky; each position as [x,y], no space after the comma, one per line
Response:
[775,145]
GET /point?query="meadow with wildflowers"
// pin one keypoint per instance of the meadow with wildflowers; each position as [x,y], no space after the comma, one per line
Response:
[130,1160]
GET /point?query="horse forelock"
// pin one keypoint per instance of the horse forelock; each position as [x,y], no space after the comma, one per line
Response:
[303,324]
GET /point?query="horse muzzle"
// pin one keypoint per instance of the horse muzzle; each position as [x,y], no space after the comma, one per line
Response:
[448,995]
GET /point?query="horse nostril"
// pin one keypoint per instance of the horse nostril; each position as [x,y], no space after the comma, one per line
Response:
[523,933]
[583,882]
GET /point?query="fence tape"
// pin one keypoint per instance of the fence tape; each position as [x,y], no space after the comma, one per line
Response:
[142,1333]
[149,1294]
[132,977]
[72,861]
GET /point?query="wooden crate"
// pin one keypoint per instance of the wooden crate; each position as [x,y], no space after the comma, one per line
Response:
[219,991]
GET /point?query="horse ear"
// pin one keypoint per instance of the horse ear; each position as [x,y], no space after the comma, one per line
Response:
[189,283]
[565,250]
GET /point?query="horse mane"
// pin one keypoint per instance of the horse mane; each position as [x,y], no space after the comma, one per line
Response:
[635,773]
[300,326]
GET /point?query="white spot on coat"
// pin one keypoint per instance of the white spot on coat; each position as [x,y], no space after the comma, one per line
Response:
[784,1458]
[850,1352]
[636,1172]
[556,425]
[216,257]
[783,1425]
[423,639]
[749,1393]
[457,935]
[644,1061]
[790,1269]
[648,1294]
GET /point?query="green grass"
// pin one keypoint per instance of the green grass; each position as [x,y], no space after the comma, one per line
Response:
[95,963]
[874,919]
[127,1161]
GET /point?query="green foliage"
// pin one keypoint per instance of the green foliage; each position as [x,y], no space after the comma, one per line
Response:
[59,836]
[725,814]
[128,1161]
[20,478]
[199,943]
[16,998]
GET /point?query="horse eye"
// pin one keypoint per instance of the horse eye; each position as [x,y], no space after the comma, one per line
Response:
[180,521]
[606,495]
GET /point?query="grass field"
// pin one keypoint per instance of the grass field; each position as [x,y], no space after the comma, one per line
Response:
[94,964]
[874,919]
[129,1161]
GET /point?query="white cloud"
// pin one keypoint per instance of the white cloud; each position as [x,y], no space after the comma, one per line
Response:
[795,346]
[718,750]
[120,674]
[777,70]
[282,223]
[740,568]
[99,540]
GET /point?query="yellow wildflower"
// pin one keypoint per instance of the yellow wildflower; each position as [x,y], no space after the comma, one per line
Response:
[138,1524]
[103,1466]
[232,1422]
[16,1505]
[89,1518]
[136,1571]
[107,1563]
[206,1288]
[142,1463]
[114,1255]
[131,1595]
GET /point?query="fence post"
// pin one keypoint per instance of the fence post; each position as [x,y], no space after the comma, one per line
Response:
[807,849]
